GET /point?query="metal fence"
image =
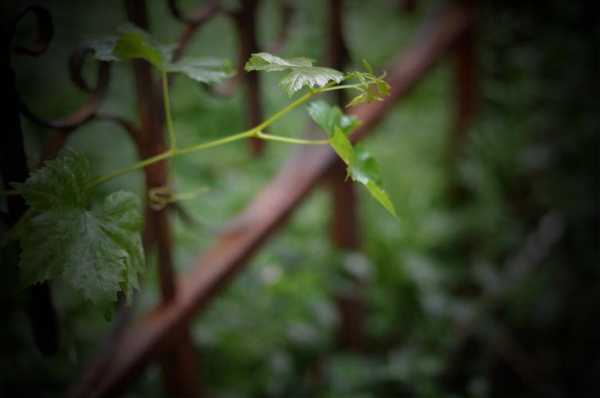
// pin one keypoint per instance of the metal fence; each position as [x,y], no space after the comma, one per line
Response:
[162,334]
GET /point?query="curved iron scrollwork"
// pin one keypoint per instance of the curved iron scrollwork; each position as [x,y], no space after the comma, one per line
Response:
[44,31]
[197,17]
[86,112]
[13,167]
[192,23]
[89,109]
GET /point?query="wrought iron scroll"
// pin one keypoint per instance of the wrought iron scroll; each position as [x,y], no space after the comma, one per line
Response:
[13,168]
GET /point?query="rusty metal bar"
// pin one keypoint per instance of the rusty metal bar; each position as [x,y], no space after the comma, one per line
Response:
[245,23]
[196,17]
[343,228]
[344,224]
[465,91]
[466,102]
[160,328]
[152,143]
[286,12]
[192,23]
[178,364]
[87,110]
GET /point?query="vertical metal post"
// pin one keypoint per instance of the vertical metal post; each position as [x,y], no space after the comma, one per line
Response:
[245,23]
[178,365]
[465,104]
[344,220]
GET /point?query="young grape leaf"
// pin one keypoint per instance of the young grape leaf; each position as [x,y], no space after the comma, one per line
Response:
[371,87]
[382,197]
[361,166]
[205,70]
[58,184]
[272,63]
[134,43]
[130,43]
[342,146]
[364,169]
[328,117]
[301,71]
[97,251]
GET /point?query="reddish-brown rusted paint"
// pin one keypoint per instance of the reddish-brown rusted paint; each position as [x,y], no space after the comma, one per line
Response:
[465,90]
[193,22]
[245,24]
[343,222]
[286,13]
[465,107]
[85,113]
[88,109]
[165,324]
[197,16]
[178,364]
[153,143]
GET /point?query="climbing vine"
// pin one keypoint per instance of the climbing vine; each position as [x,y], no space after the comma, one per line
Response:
[95,245]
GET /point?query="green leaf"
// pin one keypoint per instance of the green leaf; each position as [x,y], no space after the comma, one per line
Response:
[382,197]
[130,43]
[371,87]
[205,70]
[122,225]
[362,168]
[134,43]
[342,146]
[59,184]
[97,251]
[272,63]
[314,76]
[301,71]
[328,117]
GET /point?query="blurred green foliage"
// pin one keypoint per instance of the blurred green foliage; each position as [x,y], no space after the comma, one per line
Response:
[490,294]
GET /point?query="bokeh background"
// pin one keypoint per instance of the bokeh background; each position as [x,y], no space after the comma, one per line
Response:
[487,284]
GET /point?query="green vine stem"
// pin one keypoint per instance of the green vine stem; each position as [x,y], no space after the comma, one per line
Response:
[271,137]
[356,86]
[136,166]
[255,132]
[167,108]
